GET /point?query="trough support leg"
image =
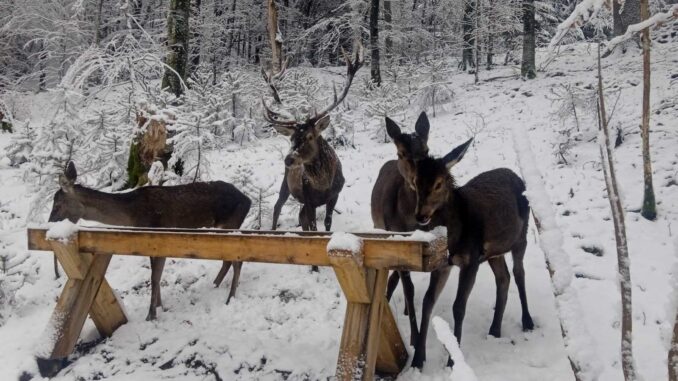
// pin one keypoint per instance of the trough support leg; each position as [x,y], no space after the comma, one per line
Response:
[86,292]
[370,337]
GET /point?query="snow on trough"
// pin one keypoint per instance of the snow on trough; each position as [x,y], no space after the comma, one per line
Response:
[61,231]
[345,242]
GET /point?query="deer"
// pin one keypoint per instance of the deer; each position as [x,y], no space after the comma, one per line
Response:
[214,204]
[485,218]
[393,201]
[313,172]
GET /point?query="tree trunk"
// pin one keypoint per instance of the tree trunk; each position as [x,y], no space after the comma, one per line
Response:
[490,34]
[388,17]
[374,42]
[468,36]
[195,49]
[177,45]
[528,68]
[649,210]
[274,36]
[97,25]
[477,47]
[623,260]
[673,351]
[622,18]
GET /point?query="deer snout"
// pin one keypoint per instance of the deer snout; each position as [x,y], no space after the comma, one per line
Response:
[423,218]
[292,159]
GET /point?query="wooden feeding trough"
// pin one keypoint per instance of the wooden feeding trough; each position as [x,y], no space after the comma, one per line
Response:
[370,339]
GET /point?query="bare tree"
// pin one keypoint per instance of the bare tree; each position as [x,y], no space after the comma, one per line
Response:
[177,44]
[528,69]
[374,42]
[673,352]
[623,260]
[274,36]
[649,209]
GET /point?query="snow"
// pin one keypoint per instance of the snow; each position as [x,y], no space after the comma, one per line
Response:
[657,19]
[345,242]
[461,370]
[61,231]
[285,321]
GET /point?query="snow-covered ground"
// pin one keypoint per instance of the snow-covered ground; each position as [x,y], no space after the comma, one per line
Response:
[285,321]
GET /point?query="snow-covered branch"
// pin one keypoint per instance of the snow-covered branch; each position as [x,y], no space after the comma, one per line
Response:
[656,20]
[583,12]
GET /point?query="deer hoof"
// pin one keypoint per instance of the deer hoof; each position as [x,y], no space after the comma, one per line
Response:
[496,332]
[528,324]
[450,362]
[418,360]
[315,269]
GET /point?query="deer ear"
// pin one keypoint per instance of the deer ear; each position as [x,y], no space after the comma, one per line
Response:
[392,129]
[71,173]
[422,126]
[284,130]
[322,124]
[455,156]
[67,179]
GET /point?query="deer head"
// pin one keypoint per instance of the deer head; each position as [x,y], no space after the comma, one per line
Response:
[433,182]
[411,147]
[66,204]
[304,135]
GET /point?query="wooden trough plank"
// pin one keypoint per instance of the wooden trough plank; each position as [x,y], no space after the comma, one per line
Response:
[394,254]
[378,253]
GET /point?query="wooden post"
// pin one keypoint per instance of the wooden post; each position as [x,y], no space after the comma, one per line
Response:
[106,313]
[86,291]
[363,345]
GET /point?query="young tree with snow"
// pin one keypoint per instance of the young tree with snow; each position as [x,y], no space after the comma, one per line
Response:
[623,259]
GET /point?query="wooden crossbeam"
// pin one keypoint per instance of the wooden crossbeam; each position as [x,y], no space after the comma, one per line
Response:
[379,253]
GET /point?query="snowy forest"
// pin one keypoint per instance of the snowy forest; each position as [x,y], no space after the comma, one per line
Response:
[578,98]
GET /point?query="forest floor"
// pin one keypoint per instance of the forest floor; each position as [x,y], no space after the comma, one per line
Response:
[285,323]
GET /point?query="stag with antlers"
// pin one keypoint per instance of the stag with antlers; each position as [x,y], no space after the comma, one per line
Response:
[312,169]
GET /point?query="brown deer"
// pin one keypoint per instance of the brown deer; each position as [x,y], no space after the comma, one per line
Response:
[313,172]
[205,204]
[485,218]
[393,201]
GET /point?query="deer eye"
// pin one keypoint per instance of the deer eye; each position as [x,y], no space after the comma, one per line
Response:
[438,187]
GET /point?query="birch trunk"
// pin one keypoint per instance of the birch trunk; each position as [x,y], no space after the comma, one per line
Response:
[274,36]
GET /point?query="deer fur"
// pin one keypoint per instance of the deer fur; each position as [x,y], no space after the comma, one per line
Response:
[485,218]
[393,201]
[313,172]
[205,204]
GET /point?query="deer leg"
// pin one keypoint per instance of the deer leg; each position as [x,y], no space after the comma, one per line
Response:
[393,280]
[329,209]
[236,279]
[435,287]
[467,277]
[157,265]
[225,266]
[518,253]
[408,291]
[283,195]
[502,279]
[305,222]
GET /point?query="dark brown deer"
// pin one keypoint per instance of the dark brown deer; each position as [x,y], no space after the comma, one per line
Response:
[206,204]
[313,172]
[485,218]
[394,201]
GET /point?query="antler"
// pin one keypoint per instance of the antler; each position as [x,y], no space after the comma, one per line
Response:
[271,79]
[352,67]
